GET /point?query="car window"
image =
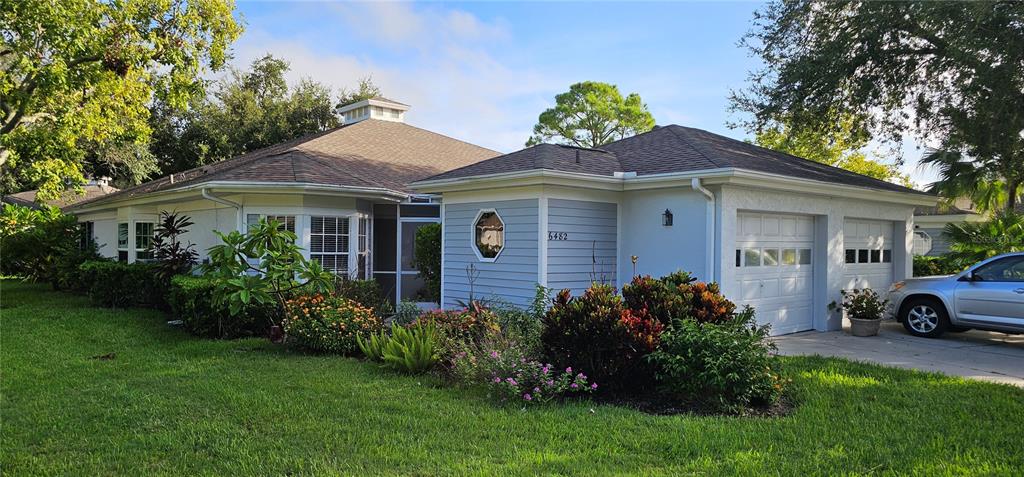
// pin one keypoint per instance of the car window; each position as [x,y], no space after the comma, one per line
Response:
[1009,269]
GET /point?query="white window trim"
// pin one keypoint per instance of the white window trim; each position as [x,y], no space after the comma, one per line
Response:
[349,253]
[472,236]
[133,230]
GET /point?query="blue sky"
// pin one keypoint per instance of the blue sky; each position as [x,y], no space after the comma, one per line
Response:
[483,71]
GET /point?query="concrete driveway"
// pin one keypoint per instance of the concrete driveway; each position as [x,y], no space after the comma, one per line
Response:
[980,355]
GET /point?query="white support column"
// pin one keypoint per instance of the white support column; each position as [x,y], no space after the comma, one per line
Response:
[443,254]
[542,231]
[353,244]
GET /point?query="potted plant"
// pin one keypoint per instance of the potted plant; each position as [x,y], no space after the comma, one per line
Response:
[864,308]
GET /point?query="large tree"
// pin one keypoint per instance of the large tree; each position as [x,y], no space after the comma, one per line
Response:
[76,75]
[951,73]
[833,144]
[592,114]
[245,111]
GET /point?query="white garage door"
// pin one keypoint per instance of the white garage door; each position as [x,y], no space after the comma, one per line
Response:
[868,254]
[773,269]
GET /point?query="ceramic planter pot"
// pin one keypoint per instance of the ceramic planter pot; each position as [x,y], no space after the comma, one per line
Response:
[859,327]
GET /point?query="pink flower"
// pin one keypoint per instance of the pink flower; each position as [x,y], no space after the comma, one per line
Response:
[528,397]
[511,381]
[593,386]
[494,354]
[568,370]
[551,382]
[574,385]
[497,379]
[536,390]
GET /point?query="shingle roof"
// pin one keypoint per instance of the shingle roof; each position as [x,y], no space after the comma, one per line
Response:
[370,153]
[669,149]
[68,198]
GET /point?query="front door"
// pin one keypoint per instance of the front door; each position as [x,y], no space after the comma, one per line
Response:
[996,295]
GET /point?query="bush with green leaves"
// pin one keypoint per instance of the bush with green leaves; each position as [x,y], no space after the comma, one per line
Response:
[41,244]
[191,299]
[721,366]
[928,266]
[122,285]
[428,259]
[367,293]
[263,266]
[329,323]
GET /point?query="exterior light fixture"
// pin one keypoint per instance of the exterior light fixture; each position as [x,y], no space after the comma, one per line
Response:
[666,218]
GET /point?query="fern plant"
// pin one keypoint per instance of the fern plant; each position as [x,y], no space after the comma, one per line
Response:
[411,350]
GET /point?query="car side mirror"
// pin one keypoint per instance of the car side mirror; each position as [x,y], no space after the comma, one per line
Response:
[968,277]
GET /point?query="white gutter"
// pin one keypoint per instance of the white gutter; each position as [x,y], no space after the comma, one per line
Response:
[238,207]
[712,231]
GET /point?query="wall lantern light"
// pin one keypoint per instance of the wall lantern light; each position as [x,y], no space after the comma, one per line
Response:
[666,218]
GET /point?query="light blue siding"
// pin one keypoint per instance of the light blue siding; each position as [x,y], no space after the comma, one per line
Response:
[663,249]
[589,252]
[940,241]
[513,276]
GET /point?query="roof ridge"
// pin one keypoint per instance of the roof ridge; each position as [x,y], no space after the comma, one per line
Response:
[672,128]
[802,159]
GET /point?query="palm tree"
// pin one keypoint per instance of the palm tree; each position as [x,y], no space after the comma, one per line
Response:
[974,241]
[992,183]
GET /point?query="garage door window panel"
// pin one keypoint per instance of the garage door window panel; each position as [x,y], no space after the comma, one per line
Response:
[770,257]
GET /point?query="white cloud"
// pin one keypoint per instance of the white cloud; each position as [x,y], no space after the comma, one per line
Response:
[448,69]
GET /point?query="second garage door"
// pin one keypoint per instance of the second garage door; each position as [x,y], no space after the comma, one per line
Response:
[774,269]
[868,254]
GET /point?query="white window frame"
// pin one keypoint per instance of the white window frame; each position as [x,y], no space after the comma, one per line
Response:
[127,241]
[134,238]
[472,236]
[350,265]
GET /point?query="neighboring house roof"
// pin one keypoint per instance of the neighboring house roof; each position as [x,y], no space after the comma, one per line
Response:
[668,149]
[942,209]
[366,154]
[67,199]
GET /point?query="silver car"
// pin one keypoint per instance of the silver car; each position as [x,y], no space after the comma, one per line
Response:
[987,296]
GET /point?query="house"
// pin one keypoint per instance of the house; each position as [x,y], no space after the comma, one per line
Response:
[92,189]
[930,224]
[344,192]
[778,232]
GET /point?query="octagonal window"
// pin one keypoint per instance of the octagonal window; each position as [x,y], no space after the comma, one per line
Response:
[489,235]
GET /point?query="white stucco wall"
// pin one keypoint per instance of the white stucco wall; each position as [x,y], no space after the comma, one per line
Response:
[662,250]
[829,214]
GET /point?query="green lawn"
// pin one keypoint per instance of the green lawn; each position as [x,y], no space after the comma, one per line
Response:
[173,404]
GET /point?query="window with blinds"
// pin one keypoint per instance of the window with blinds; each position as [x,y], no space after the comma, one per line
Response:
[328,243]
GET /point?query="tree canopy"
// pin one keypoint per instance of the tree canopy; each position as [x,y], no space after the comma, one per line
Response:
[366,89]
[836,145]
[950,73]
[592,114]
[76,76]
[247,110]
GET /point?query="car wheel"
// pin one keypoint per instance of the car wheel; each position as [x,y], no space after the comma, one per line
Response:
[925,317]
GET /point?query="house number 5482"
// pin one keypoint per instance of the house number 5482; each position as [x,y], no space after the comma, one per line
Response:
[558,236]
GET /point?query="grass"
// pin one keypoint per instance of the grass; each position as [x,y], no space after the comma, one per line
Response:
[168,403]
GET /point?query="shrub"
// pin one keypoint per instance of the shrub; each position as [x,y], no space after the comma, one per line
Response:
[862,304]
[457,328]
[428,259]
[191,300]
[411,349]
[524,326]
[367,293]
[724,366]
[589,331]
[406,313]
[328,323]
[263,266]
[660,298]
[975,241]
[68,271]
[926,266]
[40,244]
[707,304]
[514,377]
[121,285]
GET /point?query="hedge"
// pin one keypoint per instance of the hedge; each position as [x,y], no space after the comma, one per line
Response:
[191,300]
[122,285]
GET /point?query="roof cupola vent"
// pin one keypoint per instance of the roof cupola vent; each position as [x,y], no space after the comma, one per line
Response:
[373,108]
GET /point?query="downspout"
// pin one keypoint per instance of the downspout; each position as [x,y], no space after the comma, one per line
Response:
[238,207]
[712,231]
